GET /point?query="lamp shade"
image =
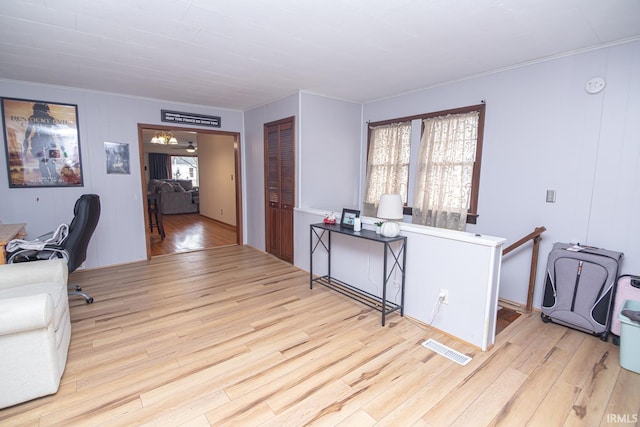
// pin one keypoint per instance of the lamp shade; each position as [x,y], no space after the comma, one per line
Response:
[390,207]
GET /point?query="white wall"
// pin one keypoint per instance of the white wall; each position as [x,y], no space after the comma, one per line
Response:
[543,131]
[119,237]
[253,150]
[216,162]
[329,153]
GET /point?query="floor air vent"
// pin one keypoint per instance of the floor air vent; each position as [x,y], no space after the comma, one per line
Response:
[445,351]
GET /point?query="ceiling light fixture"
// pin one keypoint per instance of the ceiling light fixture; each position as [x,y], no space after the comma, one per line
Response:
[164,138]
[191,148]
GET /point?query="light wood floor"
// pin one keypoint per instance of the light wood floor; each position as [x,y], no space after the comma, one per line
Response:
[188,232]
[232,336]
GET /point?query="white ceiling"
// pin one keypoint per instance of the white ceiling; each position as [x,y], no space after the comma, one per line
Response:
[244,53]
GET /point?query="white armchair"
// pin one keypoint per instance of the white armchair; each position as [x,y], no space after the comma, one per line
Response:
[35,329]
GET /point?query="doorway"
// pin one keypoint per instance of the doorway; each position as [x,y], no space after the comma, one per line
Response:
[204,147]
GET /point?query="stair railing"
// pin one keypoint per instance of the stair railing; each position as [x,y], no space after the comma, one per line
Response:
[535,235]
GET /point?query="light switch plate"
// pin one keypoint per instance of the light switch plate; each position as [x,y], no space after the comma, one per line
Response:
[551,196]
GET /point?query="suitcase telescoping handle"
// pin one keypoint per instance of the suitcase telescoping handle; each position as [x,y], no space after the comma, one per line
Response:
[575,287]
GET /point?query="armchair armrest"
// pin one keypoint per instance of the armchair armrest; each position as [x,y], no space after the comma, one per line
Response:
[24,273]
[26,313]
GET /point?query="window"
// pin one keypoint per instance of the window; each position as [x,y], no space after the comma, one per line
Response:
[446,161]
[387,163]
[449,158]
[185,167]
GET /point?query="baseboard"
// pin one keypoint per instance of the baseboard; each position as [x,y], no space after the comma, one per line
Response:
[440,331]
[511,305]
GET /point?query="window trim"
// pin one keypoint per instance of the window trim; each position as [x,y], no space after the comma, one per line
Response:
[472,215]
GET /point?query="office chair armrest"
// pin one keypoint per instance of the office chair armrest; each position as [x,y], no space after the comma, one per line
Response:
[26,313]
[48,252]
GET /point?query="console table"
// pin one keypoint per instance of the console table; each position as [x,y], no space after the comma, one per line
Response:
[398,259]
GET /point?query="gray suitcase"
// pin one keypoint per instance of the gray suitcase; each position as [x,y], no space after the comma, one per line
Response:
[579,287]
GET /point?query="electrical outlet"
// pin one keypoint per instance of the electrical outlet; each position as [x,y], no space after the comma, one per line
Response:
[443,296]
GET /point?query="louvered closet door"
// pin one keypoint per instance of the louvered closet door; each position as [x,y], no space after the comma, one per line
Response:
[280,188]
[272,181]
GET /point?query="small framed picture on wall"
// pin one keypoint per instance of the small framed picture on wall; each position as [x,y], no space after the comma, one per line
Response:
[117,155]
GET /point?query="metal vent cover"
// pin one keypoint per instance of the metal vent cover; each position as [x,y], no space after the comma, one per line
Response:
[447,352]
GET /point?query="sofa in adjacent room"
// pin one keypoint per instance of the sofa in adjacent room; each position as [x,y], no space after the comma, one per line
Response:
[35,329]
[177,195]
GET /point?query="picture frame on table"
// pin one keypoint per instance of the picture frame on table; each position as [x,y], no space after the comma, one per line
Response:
[348,218]
[42,143]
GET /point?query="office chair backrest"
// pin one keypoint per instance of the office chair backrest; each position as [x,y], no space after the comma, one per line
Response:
[86,213]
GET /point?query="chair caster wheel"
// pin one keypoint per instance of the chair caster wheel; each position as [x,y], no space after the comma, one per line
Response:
[89,300]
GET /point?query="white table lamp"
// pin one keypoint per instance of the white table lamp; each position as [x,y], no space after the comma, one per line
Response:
[390,208]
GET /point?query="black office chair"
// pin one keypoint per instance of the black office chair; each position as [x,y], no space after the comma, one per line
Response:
[86,213]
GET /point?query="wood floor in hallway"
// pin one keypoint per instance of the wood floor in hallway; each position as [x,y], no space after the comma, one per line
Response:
[188,232]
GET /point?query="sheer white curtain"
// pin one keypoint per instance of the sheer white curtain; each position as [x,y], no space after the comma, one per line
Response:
[445,170]
[387,164]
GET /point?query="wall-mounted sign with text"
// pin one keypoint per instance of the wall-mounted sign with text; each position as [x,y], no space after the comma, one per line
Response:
[191,119]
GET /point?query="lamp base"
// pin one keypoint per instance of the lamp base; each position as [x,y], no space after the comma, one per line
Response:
[390,229]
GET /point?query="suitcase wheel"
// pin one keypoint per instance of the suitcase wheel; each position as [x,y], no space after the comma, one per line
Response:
[545,318]
[615,340]
[604,336]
